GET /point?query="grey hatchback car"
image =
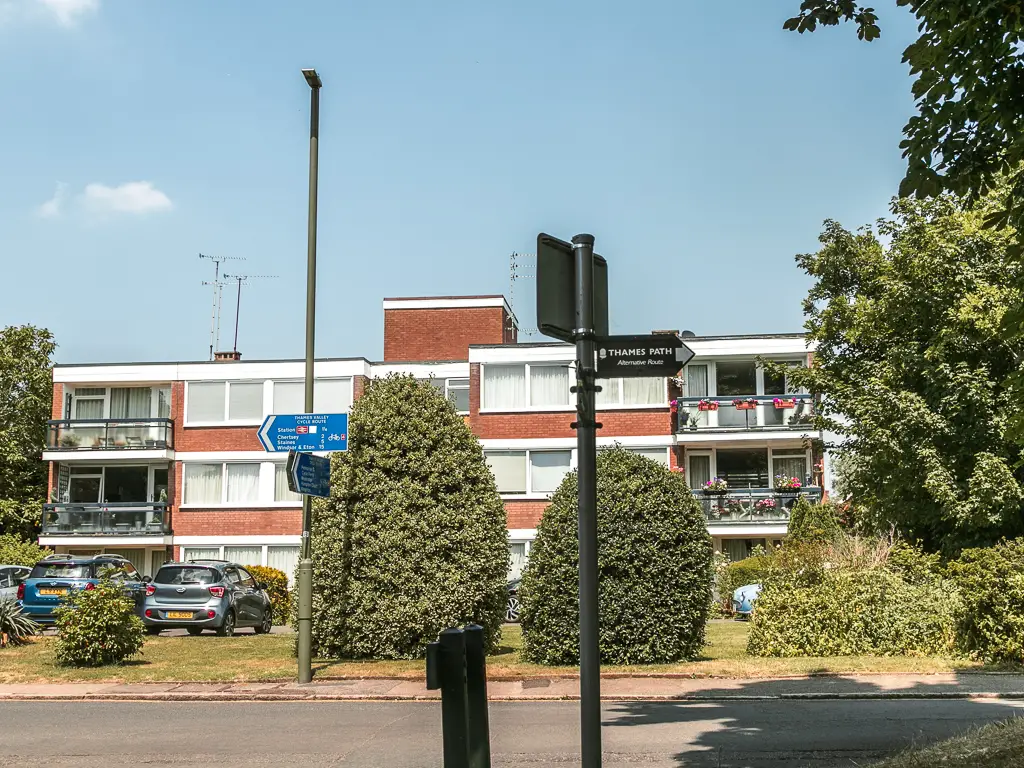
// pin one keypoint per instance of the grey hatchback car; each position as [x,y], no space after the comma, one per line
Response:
[206,594]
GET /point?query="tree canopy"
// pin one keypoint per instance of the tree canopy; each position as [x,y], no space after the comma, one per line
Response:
[912,368]
[26,393]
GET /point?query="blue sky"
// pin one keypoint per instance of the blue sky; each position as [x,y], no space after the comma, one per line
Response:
[703,149]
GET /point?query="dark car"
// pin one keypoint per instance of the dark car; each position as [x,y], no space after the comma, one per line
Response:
[52,578]
[206,594]
[512,611]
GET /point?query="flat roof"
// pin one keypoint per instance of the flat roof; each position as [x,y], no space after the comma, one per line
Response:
[226,363]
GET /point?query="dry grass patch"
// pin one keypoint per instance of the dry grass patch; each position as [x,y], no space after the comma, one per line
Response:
[1000,745]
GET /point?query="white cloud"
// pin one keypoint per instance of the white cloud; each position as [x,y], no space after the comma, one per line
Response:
[67,12]
[130,197]
[52,207]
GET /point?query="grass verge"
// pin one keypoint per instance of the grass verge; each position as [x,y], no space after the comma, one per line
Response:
[1000,745]
[269,657]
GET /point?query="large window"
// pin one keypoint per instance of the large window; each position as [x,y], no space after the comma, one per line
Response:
[536,472]
[790,464]
[743,468]
[120,403]
[206,400]
[659,455]
[245,401]
[281,492]
[519,387]
[284,557]
[222,483]
[215,402]
[630,392]
[89,402]
[329,396]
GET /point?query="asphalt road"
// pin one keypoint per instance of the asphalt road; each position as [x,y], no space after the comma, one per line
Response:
[737,734]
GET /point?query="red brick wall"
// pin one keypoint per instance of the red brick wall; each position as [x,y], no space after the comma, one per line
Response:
[524,514]
[237,522]
[441,334]
[57,411]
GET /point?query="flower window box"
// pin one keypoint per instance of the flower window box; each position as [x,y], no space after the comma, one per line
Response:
[707,405]
[745,405]
[781,403]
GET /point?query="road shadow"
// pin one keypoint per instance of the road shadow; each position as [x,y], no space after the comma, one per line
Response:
[745,724]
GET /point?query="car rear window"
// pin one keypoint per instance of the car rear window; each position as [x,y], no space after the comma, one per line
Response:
[62,571]
[185,574]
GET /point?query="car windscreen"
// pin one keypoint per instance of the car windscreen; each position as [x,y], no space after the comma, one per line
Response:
[185,574]
[62,571]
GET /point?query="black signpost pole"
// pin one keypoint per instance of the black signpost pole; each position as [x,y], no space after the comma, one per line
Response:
[586,446]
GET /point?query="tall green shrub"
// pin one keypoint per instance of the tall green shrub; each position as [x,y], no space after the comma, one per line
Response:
[15,550]
[654,568]
[98,626]
[812,522]
[413,538]
[990,625]
[276,582]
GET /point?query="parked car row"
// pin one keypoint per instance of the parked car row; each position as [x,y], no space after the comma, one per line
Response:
[196,595]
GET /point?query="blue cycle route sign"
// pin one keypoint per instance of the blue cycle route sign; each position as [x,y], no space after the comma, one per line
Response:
[309,474]
[305,432]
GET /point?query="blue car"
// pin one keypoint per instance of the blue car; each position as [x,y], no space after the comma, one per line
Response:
[55,576]
[743,599]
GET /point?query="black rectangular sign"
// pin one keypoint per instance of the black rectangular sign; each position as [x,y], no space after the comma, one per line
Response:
[650,355]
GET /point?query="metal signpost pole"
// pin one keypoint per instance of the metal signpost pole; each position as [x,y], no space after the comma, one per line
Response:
[305,644]
[586,446]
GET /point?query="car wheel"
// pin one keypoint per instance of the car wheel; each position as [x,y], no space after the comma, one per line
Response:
[227,628]
[264,626]
[512,610]
[152,630]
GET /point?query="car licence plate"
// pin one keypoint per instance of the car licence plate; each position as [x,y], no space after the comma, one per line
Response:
[53,591]
[179,614]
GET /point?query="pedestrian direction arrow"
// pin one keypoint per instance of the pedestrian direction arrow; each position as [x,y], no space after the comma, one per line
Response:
[305,432]
[660,354]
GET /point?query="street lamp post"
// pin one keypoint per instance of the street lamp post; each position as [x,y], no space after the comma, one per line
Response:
[305,647]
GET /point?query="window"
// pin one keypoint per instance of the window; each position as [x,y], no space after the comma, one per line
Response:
[549,385]
[205,400]
[743,468]
[458,393]
[736,379]
[547,468]
[659,455]
[246,581]
[790,464]
[504,386]
[243,483]
[631,391]
[517,551]
[245,401]
[284,558]
[201,553]
[89,402]
[329,396]
[699,471]
[528,471]
[203,483]
[163,403]
[244,555]
[281,491]
[509,469]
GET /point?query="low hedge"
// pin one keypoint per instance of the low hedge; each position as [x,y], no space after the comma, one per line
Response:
[98,626]
[872,612]
[277,589]
[990,622]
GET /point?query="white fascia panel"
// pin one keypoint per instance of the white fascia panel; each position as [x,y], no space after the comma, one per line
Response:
[115,374]
[109,457]
[290,369]
[451,302]
[558,353]
[724,438]
[422,370]
[198,541]
[104,541]
[748,531]
[749,347]
[208,456]
[522,534]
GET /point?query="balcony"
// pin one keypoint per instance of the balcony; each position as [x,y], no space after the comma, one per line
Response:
[753,505]
[129,518]
[88,436]
[760,413]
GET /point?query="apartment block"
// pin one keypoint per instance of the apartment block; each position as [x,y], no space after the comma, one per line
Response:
[156,461]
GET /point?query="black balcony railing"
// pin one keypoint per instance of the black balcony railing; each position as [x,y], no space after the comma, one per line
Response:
[739,414]
[109,434]
[753,505]
[124,518]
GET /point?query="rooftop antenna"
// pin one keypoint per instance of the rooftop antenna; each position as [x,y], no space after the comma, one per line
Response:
[243,280]
[218,287]
[516,272]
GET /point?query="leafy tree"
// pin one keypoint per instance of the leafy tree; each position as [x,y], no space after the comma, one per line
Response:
[812,522]
[26,393]
[17,551]
[654,568]
[911,367]
[413,538]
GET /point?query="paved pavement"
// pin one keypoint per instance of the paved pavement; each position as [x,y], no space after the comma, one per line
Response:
[940,686]
[702,734]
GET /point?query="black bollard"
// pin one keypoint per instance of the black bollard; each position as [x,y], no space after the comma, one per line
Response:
[476,690]
[454,723]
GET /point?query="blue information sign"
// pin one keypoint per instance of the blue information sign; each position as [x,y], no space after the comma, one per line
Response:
[305,432]
[309,474]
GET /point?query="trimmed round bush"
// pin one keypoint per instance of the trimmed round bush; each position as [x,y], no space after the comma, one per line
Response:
[276,582]
[98,627]
[990,624]
[654,568]
[413,538]
[810,523]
